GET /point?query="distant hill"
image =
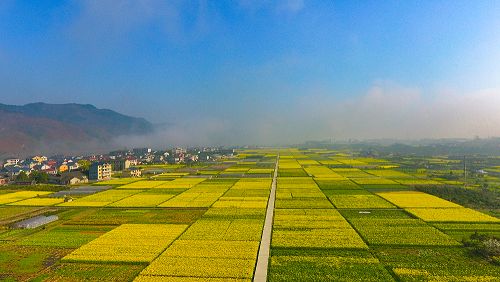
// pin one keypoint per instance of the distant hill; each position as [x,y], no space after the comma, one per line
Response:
[63,128]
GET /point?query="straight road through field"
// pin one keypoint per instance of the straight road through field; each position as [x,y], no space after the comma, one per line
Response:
[265,242]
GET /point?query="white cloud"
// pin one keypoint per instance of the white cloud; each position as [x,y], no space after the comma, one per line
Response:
[291,6]
[391,111]
[207,131]
[282,6]
[103,22]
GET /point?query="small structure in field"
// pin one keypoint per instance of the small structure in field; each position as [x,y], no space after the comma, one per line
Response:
[35,222]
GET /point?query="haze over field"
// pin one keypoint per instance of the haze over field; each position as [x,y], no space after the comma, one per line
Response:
[262,72]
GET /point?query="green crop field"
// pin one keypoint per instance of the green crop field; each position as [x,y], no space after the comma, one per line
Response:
[336,217]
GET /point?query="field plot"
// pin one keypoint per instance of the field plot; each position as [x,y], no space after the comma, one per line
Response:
[300,188]
[235,213]
[20,263]
[144,199]
[38,202]
[388,173]
[436,264]
[451,215]
[129,243]
[180,183]
[291,172]
[300,192]
[386,187]
[241,202]
[144,184]
[394,227]
[198,196]
[206,259]
[308,162]
[208,172]
[357,199]
[313,228]
[413,199]
[352,173]
[212,248]
[373,181]
[69,236]
[352,162]
[294,193]
[170,175]
[468,226]
[417,182]
[237,169]
[118,181]
[192,269]
[117,216]
[303,203]
[326,265]
[260,171]
[326,184]
[90,272]
[7,212]
[227,230]
[322,172]
[101,199]
[21,195]
[460,231]
[330,162]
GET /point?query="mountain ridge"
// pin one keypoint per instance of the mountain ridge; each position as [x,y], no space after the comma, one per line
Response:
[58,128]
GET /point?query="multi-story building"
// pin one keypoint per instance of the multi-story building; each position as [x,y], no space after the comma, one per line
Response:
[100,171]
[63,167]
[11,161]
[141,151]
[119,164]
[133,161]
[132,172]
[39,159]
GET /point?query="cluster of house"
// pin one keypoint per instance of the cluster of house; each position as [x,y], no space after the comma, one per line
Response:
[147,155]
[80,169]
[59,170]
[14,166]
[66,171]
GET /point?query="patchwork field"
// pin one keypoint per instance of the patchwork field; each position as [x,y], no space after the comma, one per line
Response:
[336,217]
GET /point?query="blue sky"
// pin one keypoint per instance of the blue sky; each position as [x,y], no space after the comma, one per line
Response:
[262,71]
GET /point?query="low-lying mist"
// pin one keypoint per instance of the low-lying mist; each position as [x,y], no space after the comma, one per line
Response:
[385,111]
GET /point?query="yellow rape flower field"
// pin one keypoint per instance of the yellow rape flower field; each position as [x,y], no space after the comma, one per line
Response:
[38,202]
[336,216]
[451,215]
[22,195]
[413,199]
[129,243]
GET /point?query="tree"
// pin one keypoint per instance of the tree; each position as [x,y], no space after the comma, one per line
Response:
[22,176]
[39,177]
[487,246]
[84,164]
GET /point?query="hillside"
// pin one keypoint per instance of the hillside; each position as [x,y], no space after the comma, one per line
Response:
[58,128]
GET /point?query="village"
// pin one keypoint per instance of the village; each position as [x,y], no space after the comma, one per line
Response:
[73,170]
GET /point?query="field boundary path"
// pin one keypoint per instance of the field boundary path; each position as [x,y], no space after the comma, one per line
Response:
[265,242]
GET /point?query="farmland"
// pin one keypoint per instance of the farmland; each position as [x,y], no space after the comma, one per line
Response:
[337,217]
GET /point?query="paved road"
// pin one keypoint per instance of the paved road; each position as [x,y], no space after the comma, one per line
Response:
[265,242]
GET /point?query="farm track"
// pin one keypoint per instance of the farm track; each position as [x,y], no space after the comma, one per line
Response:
[262,265]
